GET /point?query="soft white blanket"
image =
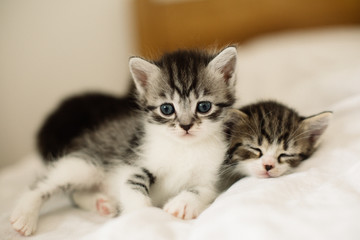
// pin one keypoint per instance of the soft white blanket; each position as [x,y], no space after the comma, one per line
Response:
[311,71]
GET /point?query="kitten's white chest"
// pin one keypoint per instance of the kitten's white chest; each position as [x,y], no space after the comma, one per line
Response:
[178,166]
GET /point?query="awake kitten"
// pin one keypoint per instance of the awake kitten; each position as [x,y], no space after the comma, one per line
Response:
[269,139]
[167,154]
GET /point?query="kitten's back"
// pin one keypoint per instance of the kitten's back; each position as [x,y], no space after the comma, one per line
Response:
[76,115]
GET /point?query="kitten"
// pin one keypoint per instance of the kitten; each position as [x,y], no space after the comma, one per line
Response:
[167,154]
[269,139]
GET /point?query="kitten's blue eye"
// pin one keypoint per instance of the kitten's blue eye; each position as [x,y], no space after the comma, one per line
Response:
[167,109]
[204,107]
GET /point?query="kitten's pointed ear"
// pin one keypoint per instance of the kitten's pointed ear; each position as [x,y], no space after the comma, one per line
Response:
[225,63]
[142,72]
[316,125]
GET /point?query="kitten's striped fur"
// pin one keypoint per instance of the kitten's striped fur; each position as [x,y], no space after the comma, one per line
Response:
[166,153]
[269,139]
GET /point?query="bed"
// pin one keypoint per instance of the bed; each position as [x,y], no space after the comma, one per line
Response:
[312,71]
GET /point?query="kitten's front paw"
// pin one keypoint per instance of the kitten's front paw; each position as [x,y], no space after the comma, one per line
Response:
[106,208]
[24,222]
[184,206]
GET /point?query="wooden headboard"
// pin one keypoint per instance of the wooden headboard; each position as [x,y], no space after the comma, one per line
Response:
[164,25]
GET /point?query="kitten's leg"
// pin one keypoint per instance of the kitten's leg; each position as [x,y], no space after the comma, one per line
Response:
[189,203]
[134,188]
[67,174]
[96,201]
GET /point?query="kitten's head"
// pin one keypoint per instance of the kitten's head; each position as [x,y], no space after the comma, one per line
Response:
[269,139]
[185,93]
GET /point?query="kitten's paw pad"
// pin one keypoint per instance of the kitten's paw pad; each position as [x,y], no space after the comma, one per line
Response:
[181,208]
[182,213]
[25,224]
[105,208]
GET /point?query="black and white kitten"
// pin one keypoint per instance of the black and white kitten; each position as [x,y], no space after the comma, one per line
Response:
[167,154]
[269,139]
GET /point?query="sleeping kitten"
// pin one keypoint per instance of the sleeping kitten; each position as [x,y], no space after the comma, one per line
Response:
[269,139]
[167,154]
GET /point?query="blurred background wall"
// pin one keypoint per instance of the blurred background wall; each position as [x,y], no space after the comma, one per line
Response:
[53,48]
[50,49]
[165,25]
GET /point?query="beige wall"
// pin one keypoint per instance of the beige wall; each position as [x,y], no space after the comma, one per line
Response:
[50,49]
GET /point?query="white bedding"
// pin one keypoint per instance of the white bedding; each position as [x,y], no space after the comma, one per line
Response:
[311,71]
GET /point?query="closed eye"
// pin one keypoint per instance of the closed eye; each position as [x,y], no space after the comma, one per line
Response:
[285,157]
[257,150]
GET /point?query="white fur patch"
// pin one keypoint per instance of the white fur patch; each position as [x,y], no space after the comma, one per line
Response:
[186,205]
[180,165]
[128,198]
[68,170]
[25,215]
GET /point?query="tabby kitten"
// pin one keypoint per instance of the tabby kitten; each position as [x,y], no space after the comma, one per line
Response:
[269,139]
[167,154]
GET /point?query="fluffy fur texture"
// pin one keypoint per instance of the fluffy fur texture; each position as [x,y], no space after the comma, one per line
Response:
[76,115]
[166,154]
[269,139]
